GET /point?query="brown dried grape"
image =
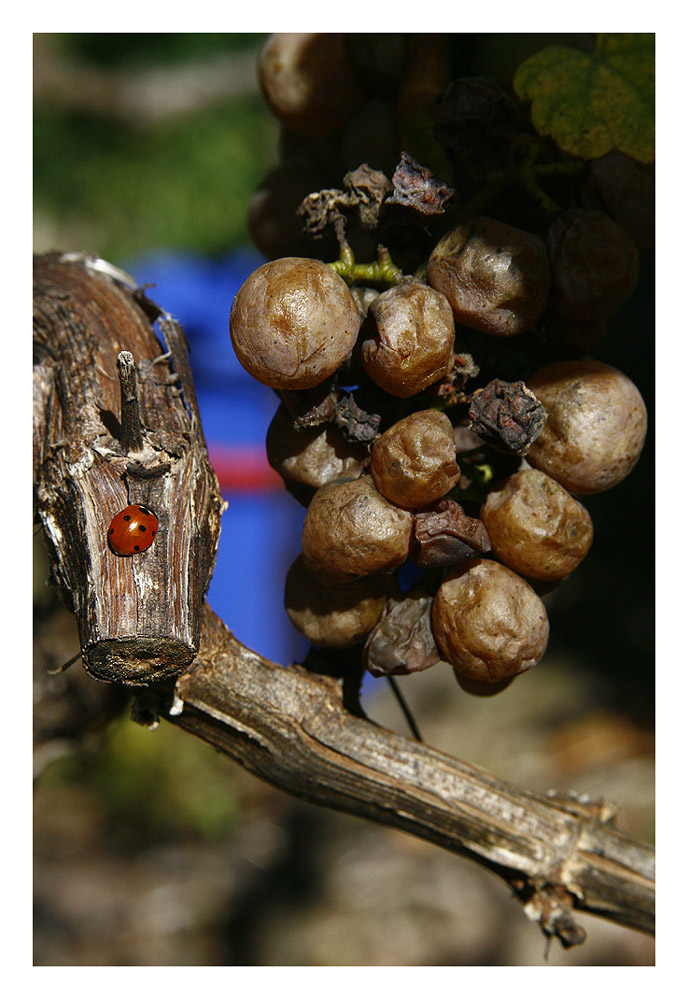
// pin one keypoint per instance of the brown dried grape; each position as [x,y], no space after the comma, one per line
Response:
[339,616]
[496,277]
[483,689]
[412,341]
[413,462]
[293,322]
[489,623]
[350,531]
[444,535]
[312,456]
[595,264]
[626,189]
[402,642]
[308,81]
[595,427]
[536,527]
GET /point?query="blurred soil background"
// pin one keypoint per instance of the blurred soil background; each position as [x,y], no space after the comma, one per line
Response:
[152,849]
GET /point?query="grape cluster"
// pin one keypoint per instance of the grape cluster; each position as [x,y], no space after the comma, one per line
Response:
[438,412]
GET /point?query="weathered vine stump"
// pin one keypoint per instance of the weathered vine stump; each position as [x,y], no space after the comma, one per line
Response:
[116,423]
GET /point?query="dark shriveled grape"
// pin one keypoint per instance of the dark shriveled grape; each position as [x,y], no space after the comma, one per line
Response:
[308,81]
[489,623]
[496,277]
[536,527]
[595,264]
[350,530]
[626,190]
[402,642]
[272,217]
[293,322]
[595,427]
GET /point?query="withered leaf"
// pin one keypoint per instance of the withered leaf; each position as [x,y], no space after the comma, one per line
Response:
[507,416]
[450,389]
[444,535]
[367,189]
[419,189]
[320,210]
[311,407]
[402,642]
[356,423]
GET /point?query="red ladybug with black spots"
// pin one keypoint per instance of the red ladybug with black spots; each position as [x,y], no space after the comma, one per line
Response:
[132,530]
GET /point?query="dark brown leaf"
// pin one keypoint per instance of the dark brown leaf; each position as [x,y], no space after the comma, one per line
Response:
[357,423]
[419,189]
[367,189]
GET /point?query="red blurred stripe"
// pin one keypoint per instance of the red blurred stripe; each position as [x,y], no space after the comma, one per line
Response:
[243,468]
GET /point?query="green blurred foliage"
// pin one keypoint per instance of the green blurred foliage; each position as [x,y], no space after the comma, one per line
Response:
[153,786]
[181,181]
[165,49]
[591,103]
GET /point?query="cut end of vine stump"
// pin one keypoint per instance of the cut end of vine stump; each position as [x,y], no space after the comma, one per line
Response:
[137,660]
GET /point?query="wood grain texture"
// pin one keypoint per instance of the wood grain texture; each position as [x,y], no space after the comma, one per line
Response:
[294,729]
[138,617]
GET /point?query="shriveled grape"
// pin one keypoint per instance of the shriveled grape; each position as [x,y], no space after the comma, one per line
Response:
[413,462]
[412,339]
[595,264]
[350,530]
[496,277]
[312,456]
[595,427]
[335,616]
[308,81]
[293,322]
[488,622]
[536,527]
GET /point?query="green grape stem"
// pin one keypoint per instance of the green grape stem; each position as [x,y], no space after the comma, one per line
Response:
[378,272]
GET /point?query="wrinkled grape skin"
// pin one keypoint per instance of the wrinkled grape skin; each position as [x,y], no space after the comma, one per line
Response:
[339,616]
[596,425]
[496,277]
[412,345]
[536,527]
[488,622]
[350,531]
[312,456]
[413,462]
[308,81]
[293,322]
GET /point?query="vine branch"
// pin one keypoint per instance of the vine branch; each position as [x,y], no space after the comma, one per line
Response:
[145,623]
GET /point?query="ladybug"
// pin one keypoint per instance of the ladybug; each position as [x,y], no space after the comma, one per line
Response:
[132,530]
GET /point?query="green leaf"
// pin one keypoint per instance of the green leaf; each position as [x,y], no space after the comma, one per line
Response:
[593,102]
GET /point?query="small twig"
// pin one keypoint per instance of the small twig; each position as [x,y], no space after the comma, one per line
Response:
[405,709]
[131,437]
[65,666]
